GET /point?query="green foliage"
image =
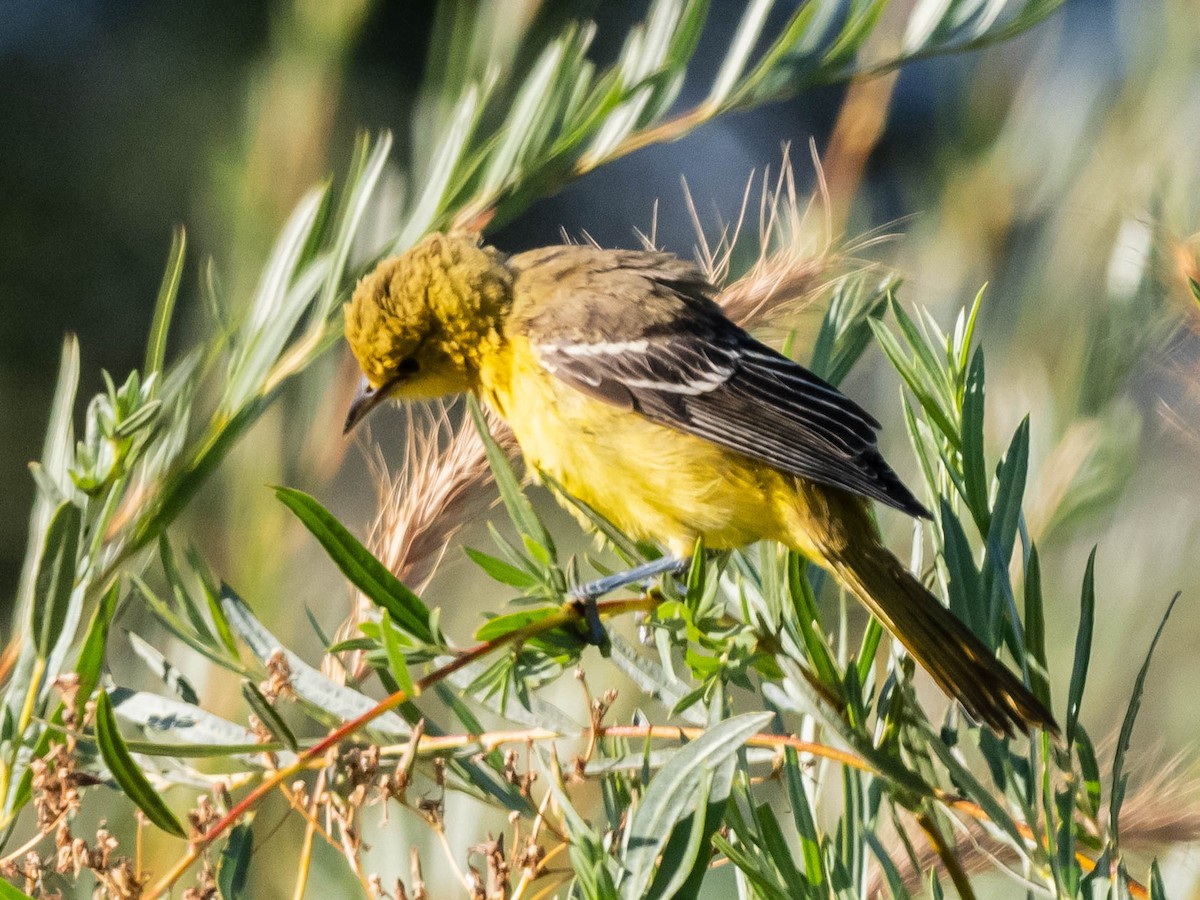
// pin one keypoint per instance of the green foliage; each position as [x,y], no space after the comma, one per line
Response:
[773,736]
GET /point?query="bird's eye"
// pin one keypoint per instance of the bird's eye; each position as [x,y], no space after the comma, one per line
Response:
[408,367]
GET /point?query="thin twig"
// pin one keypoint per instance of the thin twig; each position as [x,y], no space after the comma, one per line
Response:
[568,615]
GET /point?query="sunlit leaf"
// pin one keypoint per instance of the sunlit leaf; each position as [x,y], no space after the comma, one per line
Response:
[358,564]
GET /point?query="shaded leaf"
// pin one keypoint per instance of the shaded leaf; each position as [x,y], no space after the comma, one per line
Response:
[233,866]
[268,715]
[1083,646]
[1120,777]
[55,578]
[126,772]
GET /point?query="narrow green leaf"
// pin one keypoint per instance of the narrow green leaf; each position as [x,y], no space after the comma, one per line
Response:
[965,586]
[179,590]
[755,874]
[268,715]
[164,306]
[807,620]
[510,622]
[1035,629]
[162,668]
[1119,776]
[8,892]
[397,664]
[1158,890]
[682,851]
[740,48]
[802,815]
[671,795]
[358,564]
[233,867]
[1010,491]
[975,478]
[126,772]
[520,510]
[55,578]
[1089,767]
[90,663]
[501,571]
[182,630]
[1083,646]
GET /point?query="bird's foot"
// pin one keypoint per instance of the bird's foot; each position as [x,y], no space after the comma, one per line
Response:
[584,596]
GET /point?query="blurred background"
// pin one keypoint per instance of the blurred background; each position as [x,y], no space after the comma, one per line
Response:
[1062,168]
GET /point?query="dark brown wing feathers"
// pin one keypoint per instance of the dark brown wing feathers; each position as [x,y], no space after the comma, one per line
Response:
[640,331]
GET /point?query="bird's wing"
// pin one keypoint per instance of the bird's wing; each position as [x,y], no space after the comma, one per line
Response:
[696,371]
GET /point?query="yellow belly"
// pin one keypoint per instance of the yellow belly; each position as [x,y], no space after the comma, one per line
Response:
[651,481]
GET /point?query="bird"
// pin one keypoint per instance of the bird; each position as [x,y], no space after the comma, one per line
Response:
[623,381]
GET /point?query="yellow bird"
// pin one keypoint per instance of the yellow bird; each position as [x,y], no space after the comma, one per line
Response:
[621,379]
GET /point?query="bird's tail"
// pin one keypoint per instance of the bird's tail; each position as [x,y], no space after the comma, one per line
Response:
[958,661]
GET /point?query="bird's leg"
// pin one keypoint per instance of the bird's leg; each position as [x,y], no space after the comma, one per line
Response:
[585,595]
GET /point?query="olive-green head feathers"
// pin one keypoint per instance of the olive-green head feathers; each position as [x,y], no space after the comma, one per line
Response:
[419,322]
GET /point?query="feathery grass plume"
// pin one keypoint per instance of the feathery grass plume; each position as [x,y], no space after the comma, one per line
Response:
[440,484]
[794,258]
[1163,812]
[797,259]
[436,490]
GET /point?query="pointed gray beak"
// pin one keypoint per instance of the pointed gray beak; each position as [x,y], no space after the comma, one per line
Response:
[366,398]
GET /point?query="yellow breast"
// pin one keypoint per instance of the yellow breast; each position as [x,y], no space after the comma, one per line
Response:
[651,481]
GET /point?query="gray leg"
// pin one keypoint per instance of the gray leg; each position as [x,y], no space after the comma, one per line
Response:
[586,594]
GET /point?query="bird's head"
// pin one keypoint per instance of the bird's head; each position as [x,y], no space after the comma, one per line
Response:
[420,322]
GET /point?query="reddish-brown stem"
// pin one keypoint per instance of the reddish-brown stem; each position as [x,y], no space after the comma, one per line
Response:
[567,615]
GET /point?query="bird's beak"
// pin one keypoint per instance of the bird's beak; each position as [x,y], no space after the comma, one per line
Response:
[366,398]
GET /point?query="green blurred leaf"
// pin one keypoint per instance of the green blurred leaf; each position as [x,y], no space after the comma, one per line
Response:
[164,306]
[90,663]
[55,578]
[357,563]
[8,892]
[233,866]
[965,584]
[1089,768]
[506,624]
[397,664]
[1035,629]
[1120,777]
[1158,890]
[126,772]
[268,715]
[1010,491]
[1083,646]
[802,816]
[975,480]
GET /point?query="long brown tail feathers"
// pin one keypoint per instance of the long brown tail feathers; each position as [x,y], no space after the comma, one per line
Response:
[958,661]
